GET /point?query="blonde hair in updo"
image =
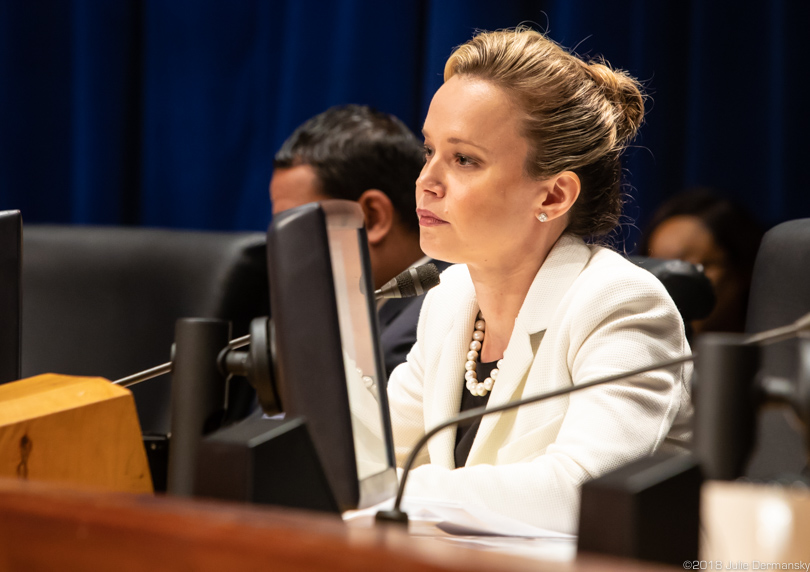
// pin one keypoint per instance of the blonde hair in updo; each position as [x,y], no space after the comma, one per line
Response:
[579,116]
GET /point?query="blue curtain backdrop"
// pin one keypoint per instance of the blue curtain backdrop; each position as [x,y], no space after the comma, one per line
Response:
[168,112]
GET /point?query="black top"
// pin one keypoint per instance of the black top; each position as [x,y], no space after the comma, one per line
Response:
[466,433]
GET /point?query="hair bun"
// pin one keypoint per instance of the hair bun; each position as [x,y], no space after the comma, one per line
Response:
[624,92]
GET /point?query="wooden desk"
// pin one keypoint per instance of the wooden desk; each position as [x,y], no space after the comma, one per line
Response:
[44,528]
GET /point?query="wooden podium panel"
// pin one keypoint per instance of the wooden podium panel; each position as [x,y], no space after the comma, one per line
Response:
[43,528]
[81,431]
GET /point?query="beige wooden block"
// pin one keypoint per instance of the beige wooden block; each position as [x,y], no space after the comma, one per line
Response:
[746,526]
[73,430]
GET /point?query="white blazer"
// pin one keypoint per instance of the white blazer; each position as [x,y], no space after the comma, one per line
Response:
[588,313]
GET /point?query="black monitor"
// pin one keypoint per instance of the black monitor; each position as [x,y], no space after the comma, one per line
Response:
[10,293]
[328,364]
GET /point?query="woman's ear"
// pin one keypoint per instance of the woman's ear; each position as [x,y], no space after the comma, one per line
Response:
[378,211]
[562,191]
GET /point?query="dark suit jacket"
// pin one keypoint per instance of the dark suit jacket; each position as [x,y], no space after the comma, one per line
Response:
[398,318]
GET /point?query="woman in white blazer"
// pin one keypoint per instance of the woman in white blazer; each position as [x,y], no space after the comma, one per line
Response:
[522,146]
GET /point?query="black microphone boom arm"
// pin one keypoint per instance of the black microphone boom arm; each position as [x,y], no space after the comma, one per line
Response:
[396,515]
[162,369]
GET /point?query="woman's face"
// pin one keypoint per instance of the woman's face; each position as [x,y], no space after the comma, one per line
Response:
[474,200]
[686,237]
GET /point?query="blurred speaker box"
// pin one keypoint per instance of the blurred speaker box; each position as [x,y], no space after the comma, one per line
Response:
[648,509]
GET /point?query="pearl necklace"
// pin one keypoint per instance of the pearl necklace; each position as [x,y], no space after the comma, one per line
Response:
[479,388]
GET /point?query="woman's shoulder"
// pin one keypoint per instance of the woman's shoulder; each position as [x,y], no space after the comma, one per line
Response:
[597,268]
[614,267]
[611,280]
[613,290]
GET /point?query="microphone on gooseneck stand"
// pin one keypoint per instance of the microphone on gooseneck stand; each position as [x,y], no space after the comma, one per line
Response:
[399,516]
[718,354]
[412,282]
[781,333]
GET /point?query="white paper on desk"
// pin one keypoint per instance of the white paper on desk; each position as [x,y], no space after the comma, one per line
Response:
[454,518]
[479,521]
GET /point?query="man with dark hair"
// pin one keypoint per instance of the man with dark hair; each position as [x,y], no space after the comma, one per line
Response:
[356,153]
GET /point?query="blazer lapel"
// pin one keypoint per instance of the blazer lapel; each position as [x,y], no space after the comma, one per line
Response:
[564,263]
[444,384]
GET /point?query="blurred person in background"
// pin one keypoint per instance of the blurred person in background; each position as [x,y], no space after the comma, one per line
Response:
[700,227]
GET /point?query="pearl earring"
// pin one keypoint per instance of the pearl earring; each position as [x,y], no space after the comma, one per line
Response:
[542,217]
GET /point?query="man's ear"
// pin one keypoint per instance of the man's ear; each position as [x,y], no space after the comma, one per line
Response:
[378,211]
[562,191]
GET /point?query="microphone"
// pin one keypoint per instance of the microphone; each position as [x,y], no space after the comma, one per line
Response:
[781,333]
[165,368]
[401,517]
[714,402]
[407,284]
[412,282]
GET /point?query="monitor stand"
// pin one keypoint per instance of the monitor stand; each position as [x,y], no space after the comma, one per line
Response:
[264,460]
